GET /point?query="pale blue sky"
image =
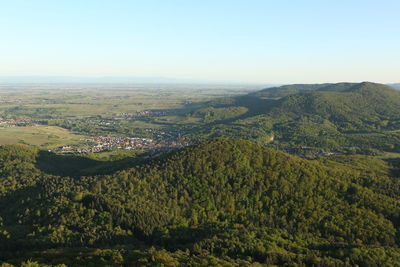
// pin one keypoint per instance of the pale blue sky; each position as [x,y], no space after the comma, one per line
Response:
[281,41]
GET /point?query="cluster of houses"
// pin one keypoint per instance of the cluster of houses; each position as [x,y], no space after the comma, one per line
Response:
[144,113]
[111,142]
[165,135]
[107,143]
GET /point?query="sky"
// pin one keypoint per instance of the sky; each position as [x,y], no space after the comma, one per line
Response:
[251,41]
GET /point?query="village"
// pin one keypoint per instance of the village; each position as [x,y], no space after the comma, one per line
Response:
[145,113]
[107,143]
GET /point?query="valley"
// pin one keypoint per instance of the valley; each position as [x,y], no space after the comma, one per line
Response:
[212,177]
[199,133]
[305,120]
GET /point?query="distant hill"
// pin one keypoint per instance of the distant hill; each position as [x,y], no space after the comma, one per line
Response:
[347,117]
[227,202]
[395,86]
[285,90]
[360,106]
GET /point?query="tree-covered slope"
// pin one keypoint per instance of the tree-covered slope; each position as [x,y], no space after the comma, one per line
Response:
[285,90]
[225,201]
[341,117]
[363,106]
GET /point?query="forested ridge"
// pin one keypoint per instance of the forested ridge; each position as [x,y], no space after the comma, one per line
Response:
[343,117]
[291,89]
[223,202]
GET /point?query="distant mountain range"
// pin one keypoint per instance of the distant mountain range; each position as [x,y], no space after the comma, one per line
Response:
[395,85]
[110,80]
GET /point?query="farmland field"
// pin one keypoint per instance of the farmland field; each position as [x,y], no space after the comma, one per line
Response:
[65,114]
[43,136]
[61,101]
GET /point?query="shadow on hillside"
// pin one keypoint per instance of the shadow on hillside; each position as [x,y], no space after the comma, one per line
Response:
[256,106]
[395,163]
[184,237]
[76,165]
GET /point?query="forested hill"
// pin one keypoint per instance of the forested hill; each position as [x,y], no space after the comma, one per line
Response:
[226,201]
[363,117]
[362,106]
[285,90]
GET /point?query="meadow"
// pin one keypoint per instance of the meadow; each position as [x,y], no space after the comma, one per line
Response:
[40,135]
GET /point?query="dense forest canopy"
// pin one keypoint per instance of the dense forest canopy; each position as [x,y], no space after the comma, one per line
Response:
[291,89]
[223,202]
[344,117]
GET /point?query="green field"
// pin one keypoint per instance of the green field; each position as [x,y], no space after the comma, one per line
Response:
[389,155]
[43,136]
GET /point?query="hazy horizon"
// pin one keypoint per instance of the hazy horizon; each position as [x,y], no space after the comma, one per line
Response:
[132,80]
[254,42]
